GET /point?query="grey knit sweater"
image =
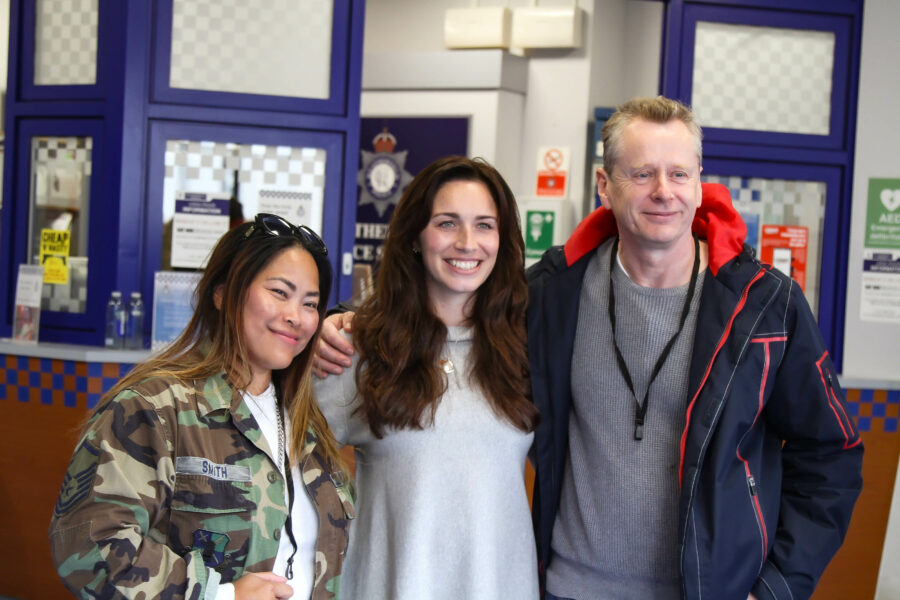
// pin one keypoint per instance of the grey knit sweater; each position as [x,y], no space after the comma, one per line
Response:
[442,513]
[615,533]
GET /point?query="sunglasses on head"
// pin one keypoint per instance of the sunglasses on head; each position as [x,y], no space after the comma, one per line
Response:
[274,225]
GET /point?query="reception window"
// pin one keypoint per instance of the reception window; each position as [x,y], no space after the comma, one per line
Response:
[210,186]
[59,218]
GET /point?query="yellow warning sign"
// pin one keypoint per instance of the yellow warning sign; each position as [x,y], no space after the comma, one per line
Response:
[55,255]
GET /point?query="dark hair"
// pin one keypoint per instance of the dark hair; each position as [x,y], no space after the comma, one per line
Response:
[400,338]
[212,342]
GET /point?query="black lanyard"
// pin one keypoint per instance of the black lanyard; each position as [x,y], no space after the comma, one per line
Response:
[288,525]
[641,409]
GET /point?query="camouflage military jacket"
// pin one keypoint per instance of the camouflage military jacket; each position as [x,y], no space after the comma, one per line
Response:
[171,490]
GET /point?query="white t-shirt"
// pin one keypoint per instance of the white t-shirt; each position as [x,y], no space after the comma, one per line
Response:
[304,518]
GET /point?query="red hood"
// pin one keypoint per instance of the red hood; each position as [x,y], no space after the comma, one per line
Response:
[716,221]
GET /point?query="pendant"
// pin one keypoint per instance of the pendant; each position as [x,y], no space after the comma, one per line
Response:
[447,365]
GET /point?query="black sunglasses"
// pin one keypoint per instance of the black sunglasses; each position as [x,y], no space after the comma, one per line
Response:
[274,225]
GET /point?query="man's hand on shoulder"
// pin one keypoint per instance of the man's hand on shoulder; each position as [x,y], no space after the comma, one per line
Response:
[334,352]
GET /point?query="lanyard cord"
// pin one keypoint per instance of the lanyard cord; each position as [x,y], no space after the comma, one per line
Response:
[641,409]
[289,477]
[288,525]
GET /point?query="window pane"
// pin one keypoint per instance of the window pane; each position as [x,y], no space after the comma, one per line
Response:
[245,179]
[796,209]
[65,42]
[763,78]
[58,219]
[271,47]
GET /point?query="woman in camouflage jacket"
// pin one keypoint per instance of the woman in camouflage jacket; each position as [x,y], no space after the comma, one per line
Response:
[175,489]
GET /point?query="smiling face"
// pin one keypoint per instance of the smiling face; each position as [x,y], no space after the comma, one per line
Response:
[280,314]
[459,247]
[654,188]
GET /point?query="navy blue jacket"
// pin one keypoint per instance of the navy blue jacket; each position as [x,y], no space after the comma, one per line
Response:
[770,460]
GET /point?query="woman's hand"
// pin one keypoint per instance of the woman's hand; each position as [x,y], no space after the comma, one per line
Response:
[262,586]
[334,351]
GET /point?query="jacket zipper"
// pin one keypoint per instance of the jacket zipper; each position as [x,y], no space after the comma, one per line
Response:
[751,481]
[725,334]
[757,512]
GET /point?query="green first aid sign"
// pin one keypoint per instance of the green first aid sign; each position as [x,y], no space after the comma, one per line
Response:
[883,214]
[538,232]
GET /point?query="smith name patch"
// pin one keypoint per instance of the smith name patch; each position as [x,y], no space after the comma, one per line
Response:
[197,465]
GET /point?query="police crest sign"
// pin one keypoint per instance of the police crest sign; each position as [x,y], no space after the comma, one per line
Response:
[383,176]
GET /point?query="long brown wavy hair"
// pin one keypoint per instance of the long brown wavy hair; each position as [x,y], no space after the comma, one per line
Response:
[213,341]
[399,337]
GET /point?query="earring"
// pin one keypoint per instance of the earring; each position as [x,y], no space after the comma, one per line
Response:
[416,250]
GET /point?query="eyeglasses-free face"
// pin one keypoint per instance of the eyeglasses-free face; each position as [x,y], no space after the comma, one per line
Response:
[459,247]
[274,225]
[281,313]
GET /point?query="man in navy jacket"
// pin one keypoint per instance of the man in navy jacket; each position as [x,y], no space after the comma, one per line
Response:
[694,440]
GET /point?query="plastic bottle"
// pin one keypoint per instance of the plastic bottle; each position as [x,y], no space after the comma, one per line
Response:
[115,321]
[134,340]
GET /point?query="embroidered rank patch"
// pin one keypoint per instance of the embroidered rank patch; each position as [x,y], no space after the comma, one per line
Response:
[79,478]
[197,465]
[211,546]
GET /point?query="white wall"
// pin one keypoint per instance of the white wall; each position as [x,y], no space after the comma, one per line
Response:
[486,111]
[619,58]
[871,349]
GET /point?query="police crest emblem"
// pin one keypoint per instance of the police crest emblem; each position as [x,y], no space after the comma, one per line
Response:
[383,176]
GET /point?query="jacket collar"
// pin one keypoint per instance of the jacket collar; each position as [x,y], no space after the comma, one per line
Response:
[218,394]
[716,221]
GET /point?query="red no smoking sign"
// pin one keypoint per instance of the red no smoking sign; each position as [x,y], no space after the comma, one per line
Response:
[552,171]
[553,159]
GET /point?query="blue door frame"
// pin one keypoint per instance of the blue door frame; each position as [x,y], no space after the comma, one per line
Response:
[126,111]
[777,155]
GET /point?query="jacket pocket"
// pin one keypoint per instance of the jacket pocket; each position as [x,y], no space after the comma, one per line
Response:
[211,516]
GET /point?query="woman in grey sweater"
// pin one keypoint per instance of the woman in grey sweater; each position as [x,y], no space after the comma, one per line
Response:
[437,403]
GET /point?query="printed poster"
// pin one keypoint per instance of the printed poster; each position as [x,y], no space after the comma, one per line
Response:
[294,206]
[200,220]
[28,303]
[883,214]
[55,255]
[880,293]
[784,247]
[173,305]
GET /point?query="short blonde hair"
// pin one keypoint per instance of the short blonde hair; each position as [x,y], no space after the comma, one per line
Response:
[655,110]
